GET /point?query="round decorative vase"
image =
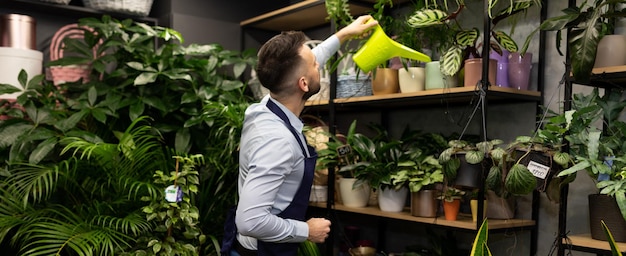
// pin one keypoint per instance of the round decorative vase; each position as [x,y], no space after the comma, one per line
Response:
[424,203]
[391,200]
[451,209]
[435,80]
[604,207]
[474,209]
[354,196]
[611,51]
[385,81]
[519,70]
[411,79]
[474,72]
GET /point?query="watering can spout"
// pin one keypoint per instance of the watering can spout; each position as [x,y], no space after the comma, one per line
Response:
[380,48]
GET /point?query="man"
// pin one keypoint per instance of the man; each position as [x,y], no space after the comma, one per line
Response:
[275,163]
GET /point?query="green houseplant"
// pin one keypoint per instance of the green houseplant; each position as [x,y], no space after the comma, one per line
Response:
[473,157]
[465,41]
[587,24]
[599,151]
[188,91]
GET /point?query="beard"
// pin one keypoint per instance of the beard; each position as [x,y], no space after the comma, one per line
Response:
[314,88]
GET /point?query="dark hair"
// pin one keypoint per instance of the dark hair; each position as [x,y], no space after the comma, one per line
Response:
[278,58]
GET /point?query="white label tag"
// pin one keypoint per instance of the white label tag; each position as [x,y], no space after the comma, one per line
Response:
[537,169]
[173,194]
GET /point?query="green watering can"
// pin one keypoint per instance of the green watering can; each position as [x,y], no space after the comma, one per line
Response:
[380,48]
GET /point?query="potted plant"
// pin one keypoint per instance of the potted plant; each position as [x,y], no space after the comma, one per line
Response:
[465,45]
[602,154]
[420,173]
[451,198]
[464,163]
[587,24]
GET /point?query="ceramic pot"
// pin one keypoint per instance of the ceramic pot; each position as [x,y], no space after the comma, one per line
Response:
[385,81]
[474,209]
[474,72]
[411,79]
[354,196]
[519,70]
[502,67]
[468,176]
[391,200]
[611,51]
[424,203]
[451,209]
[604,207]
[435,80]
[500,208]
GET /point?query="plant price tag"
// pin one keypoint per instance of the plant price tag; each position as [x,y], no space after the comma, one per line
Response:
[537,169]
[173,194]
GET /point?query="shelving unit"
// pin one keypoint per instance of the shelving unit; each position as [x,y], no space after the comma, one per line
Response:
[33,6]
[311,14]
[604,77]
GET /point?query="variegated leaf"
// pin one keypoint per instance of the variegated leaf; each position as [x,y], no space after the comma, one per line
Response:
[451,61]
[467,37]
[505,41]
[427,17]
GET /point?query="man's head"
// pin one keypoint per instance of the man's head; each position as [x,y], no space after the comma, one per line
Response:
[286,66]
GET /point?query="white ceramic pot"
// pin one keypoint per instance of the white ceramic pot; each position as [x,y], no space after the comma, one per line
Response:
[391,200]
[354,195]
[411,79]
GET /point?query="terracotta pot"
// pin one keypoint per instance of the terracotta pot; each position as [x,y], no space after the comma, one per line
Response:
[474,72]
[424,203]
[385,81]
[451,209]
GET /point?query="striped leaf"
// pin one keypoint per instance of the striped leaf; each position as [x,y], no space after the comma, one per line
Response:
[451,61]
[427,17]
[467,37]
[505,41]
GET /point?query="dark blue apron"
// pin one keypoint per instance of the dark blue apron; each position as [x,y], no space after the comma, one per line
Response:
[296,209]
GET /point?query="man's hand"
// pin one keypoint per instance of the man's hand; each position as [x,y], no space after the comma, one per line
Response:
[318,229]
[357,29]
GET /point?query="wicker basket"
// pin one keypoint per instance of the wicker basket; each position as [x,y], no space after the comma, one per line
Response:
[64,2]
[72,73]
[130,7]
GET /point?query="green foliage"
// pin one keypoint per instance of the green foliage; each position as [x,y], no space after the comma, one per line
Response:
[615,251]
[464,42]
[449,194]
[587,24]
[177,229]
[479,247]
[193,94]
[420,171]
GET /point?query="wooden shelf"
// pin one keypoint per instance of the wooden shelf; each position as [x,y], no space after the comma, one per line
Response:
[463,222]
[434,96]
[304,15]
[584,242]
[29,6]
[608,77]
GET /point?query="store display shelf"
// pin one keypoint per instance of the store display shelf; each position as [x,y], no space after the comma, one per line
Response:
[584,242]
[29,6]
[464,221]
[434,96]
